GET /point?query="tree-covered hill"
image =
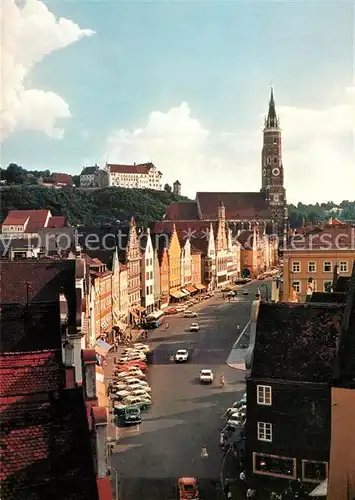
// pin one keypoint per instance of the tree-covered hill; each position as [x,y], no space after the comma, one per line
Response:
[99,206]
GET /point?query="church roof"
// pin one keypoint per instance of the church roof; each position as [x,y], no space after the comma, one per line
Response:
[182,210]
[237,205]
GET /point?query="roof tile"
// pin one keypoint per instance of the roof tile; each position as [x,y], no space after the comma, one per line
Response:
[237,205]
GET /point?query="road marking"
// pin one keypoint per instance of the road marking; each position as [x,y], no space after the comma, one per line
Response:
[241,335]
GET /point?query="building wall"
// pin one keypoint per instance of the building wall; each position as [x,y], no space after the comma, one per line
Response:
[123,294]
[133,258]
[322,277]
[87,180]
[157,291]
[174,261]
[105,298]
[115,295]
[342,448]
[300,415]
[147,267]
[196,268]
[151,180]
[186,269]
[164,277]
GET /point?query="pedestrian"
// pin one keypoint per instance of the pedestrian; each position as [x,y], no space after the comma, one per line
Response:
[229,494]
[166,326]
[242,476]
[238,328]
[204,453]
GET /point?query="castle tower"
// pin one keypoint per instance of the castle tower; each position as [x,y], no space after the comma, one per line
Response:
[177,188]
[272,178]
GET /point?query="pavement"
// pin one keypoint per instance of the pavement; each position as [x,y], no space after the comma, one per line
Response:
[184,416]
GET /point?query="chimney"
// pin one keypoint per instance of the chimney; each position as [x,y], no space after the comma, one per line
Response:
[99,419]
[89,361]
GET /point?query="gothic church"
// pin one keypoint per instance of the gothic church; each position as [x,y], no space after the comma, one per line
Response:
[266,209]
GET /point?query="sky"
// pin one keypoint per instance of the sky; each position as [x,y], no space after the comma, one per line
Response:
[185,85]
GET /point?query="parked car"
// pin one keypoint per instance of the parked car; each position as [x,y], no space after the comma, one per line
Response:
[128,381]
[181,355]
[141,347]
[206,377]
[188,488]
[172,310]
[132,416]
[131,371]
[195,327]
[129,402]
[190,314]
[141,392]
[241,402]
[128,390]
[134,362]
[236,420]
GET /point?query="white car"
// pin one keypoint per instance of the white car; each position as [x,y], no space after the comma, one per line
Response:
[128,390]
[236,420]
[141,393]
[190,314]
[195,327]
[181,355]
[141,347]
[231,411]
[126,382]
[206,377]
[131,373]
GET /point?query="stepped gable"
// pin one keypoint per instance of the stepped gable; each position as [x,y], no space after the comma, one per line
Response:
[297,342]
[197,231]
[237,205]
[182,210]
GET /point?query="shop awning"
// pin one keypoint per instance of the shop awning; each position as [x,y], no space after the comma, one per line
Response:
[185,291]
[191,289]
[321,490]
[140,309]
[102,347]
[134,313]
[200,287]
[175,295]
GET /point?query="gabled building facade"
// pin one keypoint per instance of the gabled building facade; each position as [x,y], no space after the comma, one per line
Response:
[186,264]
[141,176]
[163,256]
[133,257]
[147,272]
[174,253]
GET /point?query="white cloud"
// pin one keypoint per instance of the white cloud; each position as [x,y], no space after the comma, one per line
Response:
[28,34]
[318,152]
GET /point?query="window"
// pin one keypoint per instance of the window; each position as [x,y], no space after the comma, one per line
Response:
[274,465]
[147,290]
[263,394]
[296,267]
[313,471]
[147,275]
[343,267]
[311,267]
[327,266]
[264,431]
[327,286]
[296,285]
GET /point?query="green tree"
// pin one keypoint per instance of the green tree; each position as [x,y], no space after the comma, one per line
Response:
[167,188]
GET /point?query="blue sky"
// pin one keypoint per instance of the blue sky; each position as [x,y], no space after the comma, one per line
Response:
[217,57]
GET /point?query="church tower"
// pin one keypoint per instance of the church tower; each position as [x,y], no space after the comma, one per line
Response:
[272,168]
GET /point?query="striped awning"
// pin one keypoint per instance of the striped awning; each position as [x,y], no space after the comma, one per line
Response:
[185,291]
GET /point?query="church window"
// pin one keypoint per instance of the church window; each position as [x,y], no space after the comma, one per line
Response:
[268,160]
[276,197]
[276,160]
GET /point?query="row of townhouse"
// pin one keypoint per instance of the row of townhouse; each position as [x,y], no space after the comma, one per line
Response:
[131,272]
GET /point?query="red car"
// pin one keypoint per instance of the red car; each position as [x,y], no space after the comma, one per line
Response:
[171,311]
[135,362]
[188,488]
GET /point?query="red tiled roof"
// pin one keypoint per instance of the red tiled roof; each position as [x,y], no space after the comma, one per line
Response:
[56,221]
[62,179]
[46,278]
[141,168]
[183,210]
[30,373]
[37,218]
[237,205]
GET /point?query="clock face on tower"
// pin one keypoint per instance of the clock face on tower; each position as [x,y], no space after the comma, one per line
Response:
[275,172]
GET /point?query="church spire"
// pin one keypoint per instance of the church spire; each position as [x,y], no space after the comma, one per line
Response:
[271,121]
